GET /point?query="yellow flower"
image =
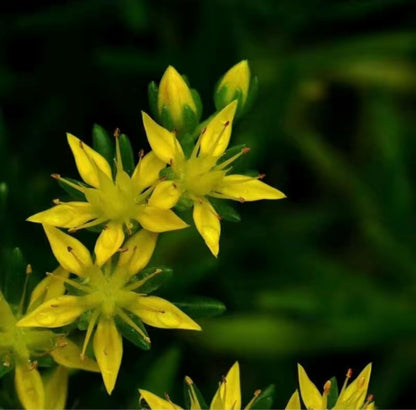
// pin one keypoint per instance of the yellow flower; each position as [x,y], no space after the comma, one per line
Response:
[173,96]
[114,202]
[227,397]
[352,396]
[108,292]
[19,349]
[204,174]
[234,85]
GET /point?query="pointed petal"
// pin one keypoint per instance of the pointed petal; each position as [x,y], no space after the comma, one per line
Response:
[163,143]
[355,394]
[208,224]
[66,215]
[156,402]
[165,195]
[89,162]
[7,318]
[108,243]
[57,312]
[139,250]
[56,388]
[68,354]
[158,312]
[108,350]
[147,171]
[215,139]
[310,394]
[29,386]
[244,188]
[294,402]
[159,220]
[70,252]
[48,288]
[228,395]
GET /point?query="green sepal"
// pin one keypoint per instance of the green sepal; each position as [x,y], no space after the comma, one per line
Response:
[166,119]
[152,93]
[126,152]
[198,103]
[219,97]
[167,173]
[45,361]
[238,95]
[72,192]
[190,120]
[5,369]
[184,204]
[333,393]
[156,281]
[14,278]
[199,307]
[188,143]
[132,334]
[198,394]
[102,143]
[225,210]
[84,320]
[265,399]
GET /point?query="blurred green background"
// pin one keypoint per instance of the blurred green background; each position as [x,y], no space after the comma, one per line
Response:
[326,277]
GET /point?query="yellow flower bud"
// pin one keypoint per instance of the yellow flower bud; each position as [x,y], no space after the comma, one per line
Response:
[173,96]
[235,84]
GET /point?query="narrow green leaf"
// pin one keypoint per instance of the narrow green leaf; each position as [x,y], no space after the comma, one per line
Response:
[200,307]
[333,393]
[103,143]
[127,155]
[265,399]
[132,334]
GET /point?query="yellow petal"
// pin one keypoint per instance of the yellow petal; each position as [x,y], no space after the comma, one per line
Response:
[228,395]
[138,251]
[165,195]
[163,143]
[89,162]
[147,171]
[208,224]
[294,402]
[108,350]
[159,220]
[48,288]
[353,397]
[158,312]
[56,388]
[236,78]
[7,318]
[66,215]
[310,394]
[244,188]
[29,386]
[57,312]
[156,402]
[70,252]
[68,354]
[108,243]
[215,139]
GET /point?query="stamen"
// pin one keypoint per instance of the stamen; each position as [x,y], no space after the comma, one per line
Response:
[23,298]
[33,365]
[119,162]
[261,176]
[232,159]
[347,377]
[327,388]
[90,328]
[88,224]
[124,316]
[251,402]
[140,283]
[69,183]
[56,201]
[71,282]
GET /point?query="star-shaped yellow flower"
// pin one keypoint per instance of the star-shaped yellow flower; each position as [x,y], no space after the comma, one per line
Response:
[108,292]
[20,348]
[203,174]
[115,202]
[227,397]
[352,396]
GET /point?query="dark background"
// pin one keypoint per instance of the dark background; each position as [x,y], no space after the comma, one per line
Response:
[326,277]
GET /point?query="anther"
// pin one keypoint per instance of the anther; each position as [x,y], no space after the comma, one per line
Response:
[117,132]
[33,365]
[219,217]
[56,176]
[122,250]
[28,269]
[245,150]
[141,153]
[227,123]
[370,398]
[167,396]
[188,381]
[72,230]
[241,199]
[349,374]
[257,393]
[56,201]
[261,176]
[327,387]
[81,145]
[69,249]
